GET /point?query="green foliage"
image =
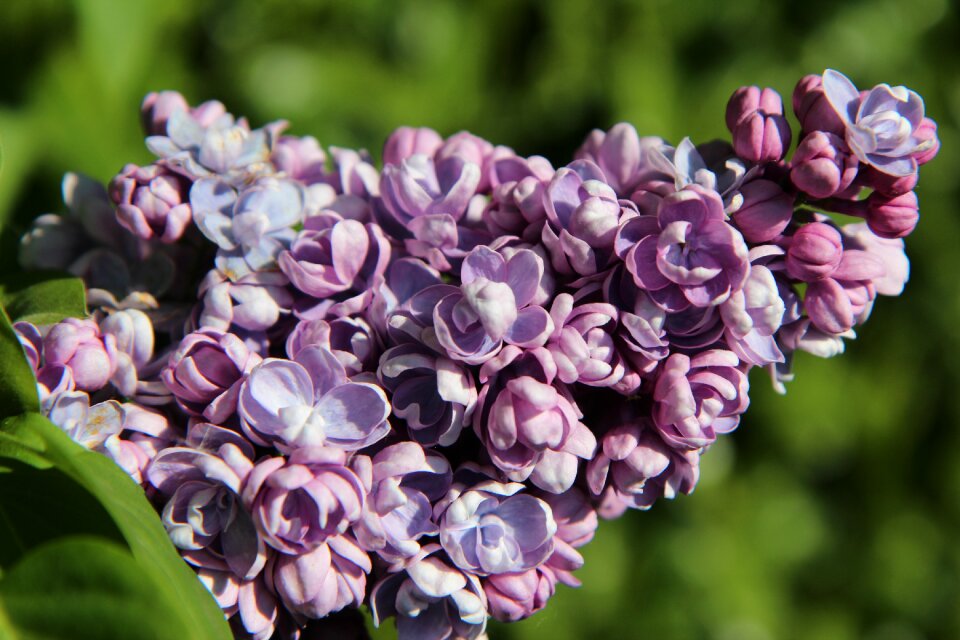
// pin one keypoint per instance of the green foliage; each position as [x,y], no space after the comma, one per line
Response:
[42,298]
[18,387]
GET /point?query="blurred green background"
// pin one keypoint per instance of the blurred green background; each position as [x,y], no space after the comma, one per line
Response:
[833,512]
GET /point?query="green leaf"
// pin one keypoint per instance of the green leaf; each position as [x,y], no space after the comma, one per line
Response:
[85,587]
[18,386]
[135,518]
[42,297]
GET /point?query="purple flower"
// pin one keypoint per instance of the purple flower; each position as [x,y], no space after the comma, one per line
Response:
[894,217]
[405,142]
[300,158]
[158,106]
[205,373]
[582,343]
[323,580]
[760,131]
[151,202]
[299,502]
[333,256]
[435,395]
[132,331]
[844,297]
[881,127]
[489,527]
[815,252]
[351,340]
[79,346]
[420,186]
[576,524]
[251,227]
[813,109]
[250,605]
[582,218]
[405,481]
[688,254]
[430,599]
[765,212]
[516,206]
[253,302]
[823,165]
[633,468]
[515,596]
[492,305]
[696,398]
[752,317]
[619,154]
[889,252]
[309,401]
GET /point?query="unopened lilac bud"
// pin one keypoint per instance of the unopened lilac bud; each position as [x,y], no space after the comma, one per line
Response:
[760,131]
[300,158]
[515,596]
[407,141]
[893,217]
[812,107]
[766,211]
[815,252]
[157,108]
[823,165]
[926,133]
[886,184]
[78,345]
[151,202]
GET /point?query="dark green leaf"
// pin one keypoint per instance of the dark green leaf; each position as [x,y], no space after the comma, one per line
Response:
[18,386]
[42,297]
[85,587]
[136,519]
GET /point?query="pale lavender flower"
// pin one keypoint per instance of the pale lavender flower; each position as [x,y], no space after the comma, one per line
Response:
[152,202]
[890,252]
[582,343]
[430,599]
[158,106]
[300,158]
[309,401]
[133,334]
[880,126]
[752,317]
[405,481]
[323,580]
[253,302]
[405,142]
[299,502]
[250,605]
[492,306]
[516,206]
[515,596]
[420,186]
[350,339]
[696,398]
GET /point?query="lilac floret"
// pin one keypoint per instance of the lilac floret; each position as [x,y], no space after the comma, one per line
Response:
[582,343]
[309,401]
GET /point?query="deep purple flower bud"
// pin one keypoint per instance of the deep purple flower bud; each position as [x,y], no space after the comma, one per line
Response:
[435,395]
[618,153]
[351,340]
[881,125]
[515,596]
[327,579]
[815,252]
[813,109]
[309,401]
[157,108]
[493,305]
[332,256]
[79,345]
[582,342]
[151,202]
[766,211]
[688,254]
[300,502]
[697,398]
[405,482]
[823,165]
[409,141]
[430,599]
[300,158]
[895,217]
[760,131]
[633,468]
[205,373]
[492,528]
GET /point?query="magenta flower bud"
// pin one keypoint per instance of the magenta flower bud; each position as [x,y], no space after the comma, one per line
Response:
[926,135]
[300,158]
[812,107]
[815,252]
[205,373]
[408,141]
[823,165]
[299,502]
[157,108]
[152,202]
[895,217]
[697,398]
[79,345]
[766,211]
[327,579]
[760,131]
[886,184]
[515,596]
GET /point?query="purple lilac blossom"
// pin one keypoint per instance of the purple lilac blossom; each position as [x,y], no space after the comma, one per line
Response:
[582,343]
[152,201]
[323,580]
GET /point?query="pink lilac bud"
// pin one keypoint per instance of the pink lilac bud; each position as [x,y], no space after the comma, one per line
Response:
[152,202]
[79,345]
[515,596]
[299,502]
[823,165]
[760,131]
[895,217]
[300,158]
[619,155]
[409,141]
[765,212]
[884,183]
[812,107]
[815,252]
[157,108]
[205,373]
[926,134]
[327,579]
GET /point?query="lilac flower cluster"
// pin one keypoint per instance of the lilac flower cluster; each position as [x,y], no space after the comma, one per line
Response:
[416,387]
